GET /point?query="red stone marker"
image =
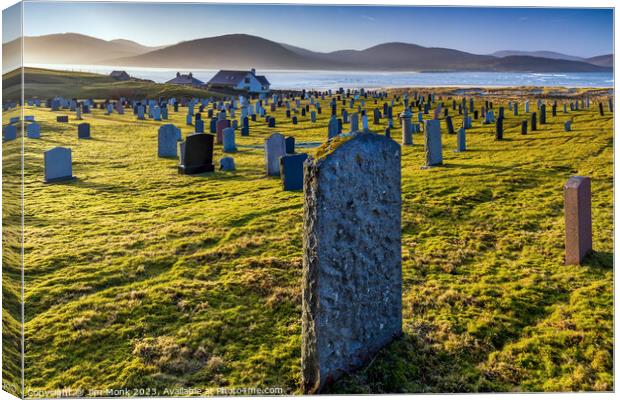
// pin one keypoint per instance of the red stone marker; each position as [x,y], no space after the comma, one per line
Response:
[578,218]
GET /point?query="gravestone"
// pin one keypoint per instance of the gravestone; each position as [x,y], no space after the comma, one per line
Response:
[449,125]
[229,145]
[33,131]
[600,109]
[199,126]
[197,154]
[219,130]
[292,171]
[272,122]
[275,147]
[352,272]
[578,219]
[167,137]
[84,130]
[289,143]
[227,164]
[543,114]
[567,126]
[407,134]
[58,166]
[62,118]
[312,116]
[354,123]
[533,122]
[499,129]
[333,127]
[460,140]
[432,143]
[10,132]
[524,127]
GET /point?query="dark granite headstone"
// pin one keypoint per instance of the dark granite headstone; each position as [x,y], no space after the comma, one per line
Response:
[292,171]
[62,118]
[84,130]
[197,154]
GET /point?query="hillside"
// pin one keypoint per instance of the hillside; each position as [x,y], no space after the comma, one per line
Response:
[72,48]
[604,61]
[542,53]
[45,83]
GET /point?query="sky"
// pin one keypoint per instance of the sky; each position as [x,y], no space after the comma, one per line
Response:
[580,32]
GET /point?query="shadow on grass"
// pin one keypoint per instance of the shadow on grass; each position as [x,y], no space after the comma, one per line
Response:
[599,259]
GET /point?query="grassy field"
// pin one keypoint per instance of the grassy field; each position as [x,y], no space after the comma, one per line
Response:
[47,83]
[137,277]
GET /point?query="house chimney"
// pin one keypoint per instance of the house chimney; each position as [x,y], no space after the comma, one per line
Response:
[253,71]
[190,75]
[178,74]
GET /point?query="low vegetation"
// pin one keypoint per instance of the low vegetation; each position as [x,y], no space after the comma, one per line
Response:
[138,277]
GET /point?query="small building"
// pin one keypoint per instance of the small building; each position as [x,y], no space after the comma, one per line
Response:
[120,75]
[240,80]
[188,80]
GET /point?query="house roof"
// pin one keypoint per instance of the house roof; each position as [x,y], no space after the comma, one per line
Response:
[263,80]
[228,78]
[118,73]
[185,80]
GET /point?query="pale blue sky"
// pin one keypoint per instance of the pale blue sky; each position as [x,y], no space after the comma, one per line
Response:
[581,32]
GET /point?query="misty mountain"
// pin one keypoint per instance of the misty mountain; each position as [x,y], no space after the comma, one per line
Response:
[73,48]
[240,51]
[606,60]
[544,54]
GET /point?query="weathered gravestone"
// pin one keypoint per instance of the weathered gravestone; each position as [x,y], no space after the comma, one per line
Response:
[432,143]
[289,143]
[219,130]
[275,147]
[333,127]
[499,129]
[292,171]
[460,140]
[167,137]
[33,131]
[84,130]
[524,127]
[352,272]
[567,127]
[10,132]
[229,145]
[405,121]
[197,154]
[58,165]
[227,164]
[62,118]
[578,219]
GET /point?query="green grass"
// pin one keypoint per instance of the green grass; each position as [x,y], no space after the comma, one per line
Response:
[137,277]
[47,83]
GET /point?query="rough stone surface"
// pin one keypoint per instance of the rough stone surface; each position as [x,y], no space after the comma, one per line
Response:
[578,219]
[352,276]
[275,148]
[227,164]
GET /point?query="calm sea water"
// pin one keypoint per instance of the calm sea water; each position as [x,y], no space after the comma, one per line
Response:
[336,79]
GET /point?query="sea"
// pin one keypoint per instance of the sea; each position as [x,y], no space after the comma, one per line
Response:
[280,79]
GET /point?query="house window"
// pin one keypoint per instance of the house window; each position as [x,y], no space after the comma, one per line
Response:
[247,81]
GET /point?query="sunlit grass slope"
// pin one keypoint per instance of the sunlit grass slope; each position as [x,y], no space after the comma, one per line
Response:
[137,277]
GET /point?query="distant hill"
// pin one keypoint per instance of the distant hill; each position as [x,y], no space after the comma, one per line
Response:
[246,51]
[73,48]
[544,54]
[240,51]
[228,51]
[603,61]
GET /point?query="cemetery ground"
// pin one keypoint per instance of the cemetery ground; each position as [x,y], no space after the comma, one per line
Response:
[138,277]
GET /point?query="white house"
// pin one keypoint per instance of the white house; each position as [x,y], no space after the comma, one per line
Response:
[240,80]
